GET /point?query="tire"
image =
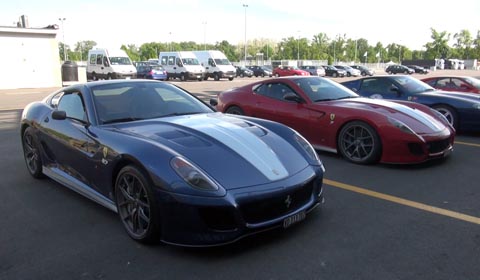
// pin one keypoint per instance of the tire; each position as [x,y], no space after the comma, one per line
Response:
[449,113]
[334,75]
[348,74]
[109,77]
[276,75]
[136,205]
[359,143]
[406,72]
[183,78]
[230,79]
[241,75]
[235,110]
[216,77]
[94,77]
[31,154]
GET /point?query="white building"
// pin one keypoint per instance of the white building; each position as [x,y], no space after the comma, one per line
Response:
[29,58]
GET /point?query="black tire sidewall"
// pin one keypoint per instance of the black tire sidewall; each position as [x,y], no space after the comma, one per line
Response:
[374,156]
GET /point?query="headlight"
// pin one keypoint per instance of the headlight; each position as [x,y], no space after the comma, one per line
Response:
[307,147]
[400,125]
[192,175]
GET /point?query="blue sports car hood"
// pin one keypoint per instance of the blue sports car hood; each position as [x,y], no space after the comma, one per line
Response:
[235,152]
[417,120]
[456,95]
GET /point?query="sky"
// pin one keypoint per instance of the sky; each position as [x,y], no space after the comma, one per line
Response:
[111,23]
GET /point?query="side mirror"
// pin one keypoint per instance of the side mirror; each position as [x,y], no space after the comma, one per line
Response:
[290,96]
[213,102]
[59,115]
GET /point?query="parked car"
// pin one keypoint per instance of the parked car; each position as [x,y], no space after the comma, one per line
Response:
[332,71]
[350,71]
[399,69]
[284,70]
[454,83]
[462,110]
[335,119]
[168,164]
[147,70]
[261,71]
[364,70]
[314,70]
[242,71]
[418,69]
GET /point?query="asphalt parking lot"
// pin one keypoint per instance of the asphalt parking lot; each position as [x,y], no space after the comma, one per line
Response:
[378,222]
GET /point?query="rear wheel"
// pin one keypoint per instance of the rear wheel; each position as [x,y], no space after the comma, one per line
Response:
[183,77]
[31,153]
[216,77]
[235,110]
[334,74]
[358,142]
[449,113]
[136,205]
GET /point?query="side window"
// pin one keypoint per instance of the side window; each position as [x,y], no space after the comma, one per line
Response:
[164,60]
[274,90]
[443,82]
[211,62]
[171,60]
[93,59]
[99,59]
[72,104]
[374,86]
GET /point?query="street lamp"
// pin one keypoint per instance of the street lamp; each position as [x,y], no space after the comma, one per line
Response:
[245,6]
[298,46]
[204,35]
[63,39]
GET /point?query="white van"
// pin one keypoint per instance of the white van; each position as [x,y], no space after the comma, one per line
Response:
[216,65]
[182,64]
[109,64]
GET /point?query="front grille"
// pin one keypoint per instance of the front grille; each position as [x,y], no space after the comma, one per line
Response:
[278,205]
[438,146]
[219,218]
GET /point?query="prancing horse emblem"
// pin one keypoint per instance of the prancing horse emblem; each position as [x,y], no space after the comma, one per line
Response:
[332,117]
[288,201]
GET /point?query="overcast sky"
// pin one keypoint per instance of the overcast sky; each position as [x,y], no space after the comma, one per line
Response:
[111,23]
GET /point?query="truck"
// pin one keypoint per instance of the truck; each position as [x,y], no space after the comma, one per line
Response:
[109,64]
[217,65]
[181,64]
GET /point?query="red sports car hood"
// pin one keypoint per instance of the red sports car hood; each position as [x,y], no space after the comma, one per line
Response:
[419,121]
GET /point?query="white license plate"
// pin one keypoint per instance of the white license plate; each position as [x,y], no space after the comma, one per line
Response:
[127,78]
[300,216]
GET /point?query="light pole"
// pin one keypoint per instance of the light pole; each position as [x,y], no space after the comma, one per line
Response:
[204,35]
[245,6]
[170,47]
[63,39]
[298,47]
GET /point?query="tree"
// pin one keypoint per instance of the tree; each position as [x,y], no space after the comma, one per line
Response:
[439,47]
[463,44]
[132,52]
[82,48]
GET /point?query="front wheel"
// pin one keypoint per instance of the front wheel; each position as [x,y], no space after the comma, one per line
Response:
[31,153]
[359,143]
[234,110]
[449,113]
[216,77]
[136,205]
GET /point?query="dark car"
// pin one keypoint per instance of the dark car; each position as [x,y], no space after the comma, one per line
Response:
[332,71]
[418,69]
[149,70]
[261,71]
[399,69]
[242,71]
[364,70]
[462,110]
[314,70]
[454,83]
[333,118]
[168,164]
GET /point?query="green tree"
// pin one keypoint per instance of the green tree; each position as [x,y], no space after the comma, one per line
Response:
[463,44]
[132,52]
[82,48]
[438,48]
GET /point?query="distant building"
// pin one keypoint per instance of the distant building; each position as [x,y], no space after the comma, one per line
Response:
[29,57]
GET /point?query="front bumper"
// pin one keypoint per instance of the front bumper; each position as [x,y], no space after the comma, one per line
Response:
[208,221]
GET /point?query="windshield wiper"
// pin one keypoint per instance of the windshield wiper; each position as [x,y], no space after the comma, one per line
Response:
[127,119]
[327,99]
[346,97]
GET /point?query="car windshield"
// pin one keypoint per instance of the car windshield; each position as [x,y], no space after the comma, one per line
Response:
[474,82]
[222,61]
[190,61]
[319,89]
[120,60]
[412,85]
[135,100]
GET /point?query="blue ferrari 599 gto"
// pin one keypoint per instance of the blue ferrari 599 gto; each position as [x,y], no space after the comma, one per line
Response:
[170,166]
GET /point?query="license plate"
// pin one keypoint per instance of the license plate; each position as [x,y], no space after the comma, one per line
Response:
[300,216]
[127,78]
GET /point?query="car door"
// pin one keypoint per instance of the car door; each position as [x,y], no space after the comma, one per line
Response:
[68,141]
[270,104]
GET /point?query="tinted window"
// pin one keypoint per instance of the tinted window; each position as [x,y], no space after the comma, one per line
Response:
[274,90]
[72,104]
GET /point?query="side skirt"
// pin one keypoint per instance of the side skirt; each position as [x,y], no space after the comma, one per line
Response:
[79,187]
